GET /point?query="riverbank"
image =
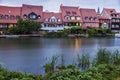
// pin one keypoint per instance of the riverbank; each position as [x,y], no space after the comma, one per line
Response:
[18,36]
[55,35]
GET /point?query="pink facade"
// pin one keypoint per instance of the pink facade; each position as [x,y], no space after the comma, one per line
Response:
[89,18]
[68,16]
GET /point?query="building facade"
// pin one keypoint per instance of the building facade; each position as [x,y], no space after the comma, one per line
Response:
[70,16]
[114,18]
[67,17]
[89,18]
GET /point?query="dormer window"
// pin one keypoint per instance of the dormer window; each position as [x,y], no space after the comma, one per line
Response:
[74,13]
[67,17]
[32,16]
[46,19]
[78,17]
[39,16]
[59,20]
[1,16]
[53,19]
[17,17]
[67,12]
[12,17]
[95,18]
[114,15]
[91,18]
[86,18]
[24,16]
[6,16]
[72,18]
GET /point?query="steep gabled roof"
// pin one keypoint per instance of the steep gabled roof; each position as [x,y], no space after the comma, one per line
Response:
[14,11]
[111,12]
[71,10]
[27,9]
[88,13]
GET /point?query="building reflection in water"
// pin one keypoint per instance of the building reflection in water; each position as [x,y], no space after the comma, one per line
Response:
[77,45]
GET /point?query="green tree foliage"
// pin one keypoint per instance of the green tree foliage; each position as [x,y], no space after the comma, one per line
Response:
[76,30]
[25,27]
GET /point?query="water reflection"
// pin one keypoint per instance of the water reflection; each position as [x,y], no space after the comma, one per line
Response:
[77,45]
[30,54]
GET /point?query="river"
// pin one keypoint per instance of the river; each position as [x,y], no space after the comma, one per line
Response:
[30,54]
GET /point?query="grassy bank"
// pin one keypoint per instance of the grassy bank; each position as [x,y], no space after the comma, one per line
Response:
[105,66]
[79,32]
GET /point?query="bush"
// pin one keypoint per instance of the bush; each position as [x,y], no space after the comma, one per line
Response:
[25,27]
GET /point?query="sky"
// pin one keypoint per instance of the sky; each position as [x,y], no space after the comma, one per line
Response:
[53,5]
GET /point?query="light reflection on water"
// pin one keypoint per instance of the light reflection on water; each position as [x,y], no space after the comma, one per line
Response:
[30,54]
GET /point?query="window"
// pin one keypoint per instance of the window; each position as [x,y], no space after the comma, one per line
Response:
[117,20]
[53,19]
[24,16]
[95,19]
[39,16]
[67,12]
[1,16]
[46,19]
[86,18]
[17,17]
[117,26]
[113,26]
[78,17]
[91,18]
[72,18]
[32,16]
[67,17]
[114,15]
[113,20]
[12,17]
[74,13]
[6,16]
[59,20]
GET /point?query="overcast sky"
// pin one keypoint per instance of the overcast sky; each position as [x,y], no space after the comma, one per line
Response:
[53,5]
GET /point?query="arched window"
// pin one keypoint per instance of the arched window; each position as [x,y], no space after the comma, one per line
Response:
[67,17]
[12,17]
[6,16]
[24,16]
[32,16]
[53,19]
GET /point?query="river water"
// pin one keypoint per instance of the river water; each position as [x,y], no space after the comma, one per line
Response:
[30,54]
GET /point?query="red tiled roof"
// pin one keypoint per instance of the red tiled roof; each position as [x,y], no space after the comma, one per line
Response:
[110,12]
[5,10]
[48,15]
[89,13]
[70,9]
[27,9]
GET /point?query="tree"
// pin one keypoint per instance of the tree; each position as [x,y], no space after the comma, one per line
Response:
[25,27]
